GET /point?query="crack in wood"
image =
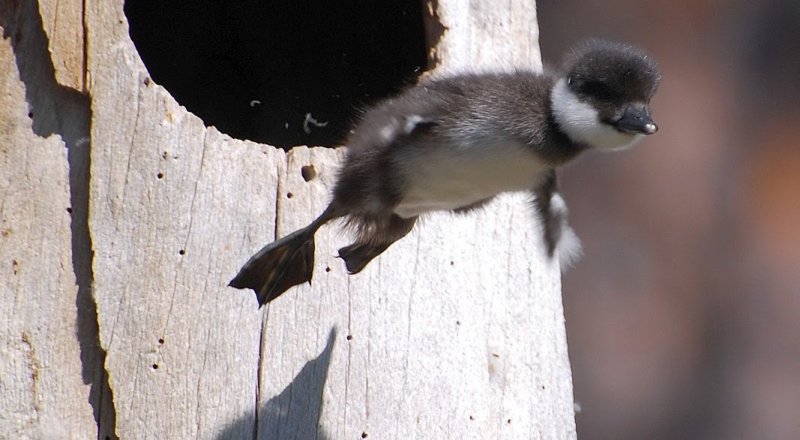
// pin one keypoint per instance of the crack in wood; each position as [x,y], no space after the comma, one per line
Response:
[261,361]
[64,111]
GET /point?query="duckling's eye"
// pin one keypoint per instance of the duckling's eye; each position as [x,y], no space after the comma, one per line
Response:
[597,89]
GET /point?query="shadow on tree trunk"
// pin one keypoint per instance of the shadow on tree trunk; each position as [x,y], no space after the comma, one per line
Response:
[294,414]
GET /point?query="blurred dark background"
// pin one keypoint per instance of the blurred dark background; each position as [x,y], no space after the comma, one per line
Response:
[683,316]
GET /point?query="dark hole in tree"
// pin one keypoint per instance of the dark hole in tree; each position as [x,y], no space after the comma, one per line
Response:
[259,69]
[308,172]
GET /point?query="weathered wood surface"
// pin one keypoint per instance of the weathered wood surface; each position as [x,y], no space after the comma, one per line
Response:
[457,331]
[489,36]
[45,378]
[174,206]
[63,24]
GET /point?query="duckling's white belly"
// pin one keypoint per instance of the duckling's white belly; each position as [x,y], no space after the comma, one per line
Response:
[448,177]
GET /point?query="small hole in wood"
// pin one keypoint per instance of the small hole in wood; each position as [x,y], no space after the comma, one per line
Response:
[147,81]
[155,366]
[69,210]
[472,417]
[161,341]
[452,263]
[164,155]
[508,421]
[182,252]
[363,435]
[327,269]
[458,322]
[349,337]
[160,175]
[30,115]
[308,172]
[289,195]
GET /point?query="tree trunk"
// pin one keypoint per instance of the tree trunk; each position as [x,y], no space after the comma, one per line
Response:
[120,234]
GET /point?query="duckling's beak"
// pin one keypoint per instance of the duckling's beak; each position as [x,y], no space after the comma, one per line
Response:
[636,119]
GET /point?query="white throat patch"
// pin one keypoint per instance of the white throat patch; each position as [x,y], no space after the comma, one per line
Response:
[581,122]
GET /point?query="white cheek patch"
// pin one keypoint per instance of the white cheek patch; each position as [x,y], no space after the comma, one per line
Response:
[581,123]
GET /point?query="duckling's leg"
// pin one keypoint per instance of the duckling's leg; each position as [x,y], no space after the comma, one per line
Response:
[375,235]
[559,237]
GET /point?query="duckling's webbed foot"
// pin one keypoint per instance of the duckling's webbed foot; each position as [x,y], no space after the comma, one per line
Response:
[358,255]
[284,263]
[375,235]
[278,266]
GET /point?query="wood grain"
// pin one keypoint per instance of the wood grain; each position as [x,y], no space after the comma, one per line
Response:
[457,331]
[43,391]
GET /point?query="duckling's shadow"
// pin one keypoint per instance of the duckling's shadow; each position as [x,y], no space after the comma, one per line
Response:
[293,414]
